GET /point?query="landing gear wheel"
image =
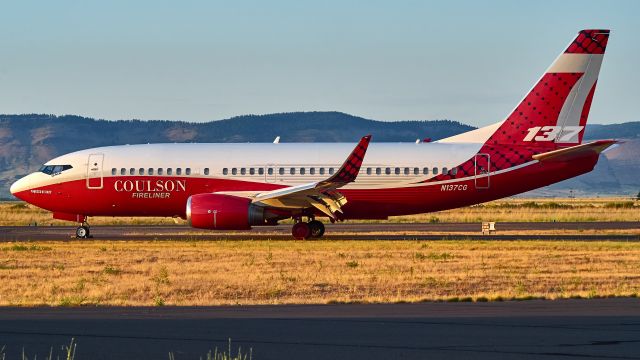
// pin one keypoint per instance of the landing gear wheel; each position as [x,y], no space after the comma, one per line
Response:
[82,232]
[317,228]
[301,231]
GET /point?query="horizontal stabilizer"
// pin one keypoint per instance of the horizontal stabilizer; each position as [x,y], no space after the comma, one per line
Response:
[566,154]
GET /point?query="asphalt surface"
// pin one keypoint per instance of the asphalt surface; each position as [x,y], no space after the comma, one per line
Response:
[342,231]
[538,329]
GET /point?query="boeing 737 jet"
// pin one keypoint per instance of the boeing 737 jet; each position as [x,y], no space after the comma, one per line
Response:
[237,186]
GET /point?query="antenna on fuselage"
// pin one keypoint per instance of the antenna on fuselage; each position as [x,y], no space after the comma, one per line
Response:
[276,140]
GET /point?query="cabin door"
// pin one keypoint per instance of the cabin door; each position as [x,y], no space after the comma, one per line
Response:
[482,171]
[94,171]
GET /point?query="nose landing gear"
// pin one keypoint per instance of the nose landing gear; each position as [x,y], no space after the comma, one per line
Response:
[306,230]
[82,231]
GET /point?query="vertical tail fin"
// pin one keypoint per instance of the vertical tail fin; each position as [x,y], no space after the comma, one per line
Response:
[551,116]
[554,113]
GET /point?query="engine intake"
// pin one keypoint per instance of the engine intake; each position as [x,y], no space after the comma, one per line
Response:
[224,212]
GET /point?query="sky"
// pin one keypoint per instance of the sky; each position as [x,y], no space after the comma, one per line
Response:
[470,61]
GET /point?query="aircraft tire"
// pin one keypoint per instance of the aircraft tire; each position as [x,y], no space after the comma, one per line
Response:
[301,231]
[317,228]
[82,232]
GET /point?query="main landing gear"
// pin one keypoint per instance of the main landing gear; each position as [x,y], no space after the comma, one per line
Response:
[306,230]
[82,231]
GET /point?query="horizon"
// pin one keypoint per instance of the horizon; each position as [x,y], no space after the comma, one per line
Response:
[278,113]
[212,60]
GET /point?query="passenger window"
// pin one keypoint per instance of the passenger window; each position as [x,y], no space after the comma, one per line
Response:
[225,171]
[444,170]
[435,171]
[368,171]
[234,171]
[252,171]
[378,171]
[397,171]
[416,171]
[406,171]
[123,171]
[281,171]
[292,171]
[243,171]
[178,171]
[387,171]
[302,171]
[321,171]
[425,171]
[169,171]
[312,171]
[270,171]
[141,171]
[159,171]
[330,171]
[150,171]
[114,171]
[206,171]
[187,171]
[260,171]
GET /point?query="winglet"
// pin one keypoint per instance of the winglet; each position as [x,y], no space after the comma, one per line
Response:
[350,168]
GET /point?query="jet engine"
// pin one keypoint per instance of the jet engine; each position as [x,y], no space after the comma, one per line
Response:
[226,212]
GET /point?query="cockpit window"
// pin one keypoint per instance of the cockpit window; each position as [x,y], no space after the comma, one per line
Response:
[54,169]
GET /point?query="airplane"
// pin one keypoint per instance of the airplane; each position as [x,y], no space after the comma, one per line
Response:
[236,186]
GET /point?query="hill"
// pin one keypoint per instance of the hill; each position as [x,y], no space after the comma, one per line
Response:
[27,141]
[629,130]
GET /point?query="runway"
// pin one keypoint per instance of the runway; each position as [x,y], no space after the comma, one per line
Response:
[538,329]
[570,231]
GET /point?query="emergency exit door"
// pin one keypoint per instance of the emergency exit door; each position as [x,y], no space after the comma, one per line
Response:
[482,171]
[94,171]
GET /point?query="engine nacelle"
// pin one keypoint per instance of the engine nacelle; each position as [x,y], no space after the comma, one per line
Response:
[223,212]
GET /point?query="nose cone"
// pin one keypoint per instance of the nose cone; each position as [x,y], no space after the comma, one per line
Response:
[19,186]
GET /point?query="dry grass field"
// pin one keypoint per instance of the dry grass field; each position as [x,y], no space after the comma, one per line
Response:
[537,210]
[513,209]
[279,272]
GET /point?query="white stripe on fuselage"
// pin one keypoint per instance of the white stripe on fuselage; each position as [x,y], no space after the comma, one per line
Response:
[216,157]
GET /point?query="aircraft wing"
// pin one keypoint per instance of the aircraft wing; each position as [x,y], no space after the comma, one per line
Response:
[577,151]
[322,195]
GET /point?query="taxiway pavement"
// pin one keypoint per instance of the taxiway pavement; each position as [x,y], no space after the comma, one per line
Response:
[537,329]
[344,231]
